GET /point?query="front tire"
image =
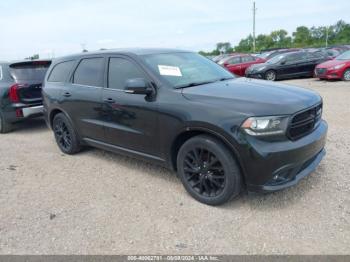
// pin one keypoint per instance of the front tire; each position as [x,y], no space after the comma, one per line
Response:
[65,135]
[346,75]
[208,170]
[270,75]
[5,127]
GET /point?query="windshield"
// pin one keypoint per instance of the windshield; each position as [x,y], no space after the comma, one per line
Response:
[344,56]
[275,59]
[186,69]
[265,55]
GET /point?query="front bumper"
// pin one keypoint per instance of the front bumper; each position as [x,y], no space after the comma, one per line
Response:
[255,75]
[272,166]
[328,74]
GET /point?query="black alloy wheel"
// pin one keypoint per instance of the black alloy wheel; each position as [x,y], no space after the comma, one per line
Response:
[65,135]
[204,172]
[208,170]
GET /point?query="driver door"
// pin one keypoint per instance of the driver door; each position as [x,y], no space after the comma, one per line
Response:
[131,122]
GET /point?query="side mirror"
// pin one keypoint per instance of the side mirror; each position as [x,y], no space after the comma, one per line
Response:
[138,86]
[283,62]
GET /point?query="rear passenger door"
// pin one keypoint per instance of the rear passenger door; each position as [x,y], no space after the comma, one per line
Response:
[234,65]
[247,61]
[131,121]
[81,97]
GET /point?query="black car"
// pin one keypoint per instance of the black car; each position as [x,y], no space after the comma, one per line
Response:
[20,91]
[288,65]
[184,112]
[268,54]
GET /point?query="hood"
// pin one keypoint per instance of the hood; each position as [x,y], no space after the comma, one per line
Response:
[332,63]
[253,97]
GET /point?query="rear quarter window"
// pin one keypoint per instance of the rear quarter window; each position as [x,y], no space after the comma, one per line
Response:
[60,72]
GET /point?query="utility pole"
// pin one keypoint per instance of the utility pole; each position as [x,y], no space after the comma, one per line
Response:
[254,13]
[327,35]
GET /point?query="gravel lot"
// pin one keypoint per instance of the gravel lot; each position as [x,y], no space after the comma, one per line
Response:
[101,203]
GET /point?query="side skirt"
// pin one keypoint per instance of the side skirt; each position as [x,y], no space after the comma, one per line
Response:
[128,152]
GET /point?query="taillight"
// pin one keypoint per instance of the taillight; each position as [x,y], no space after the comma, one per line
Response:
[13,93]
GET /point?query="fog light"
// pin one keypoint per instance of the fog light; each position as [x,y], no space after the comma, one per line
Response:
[275,177]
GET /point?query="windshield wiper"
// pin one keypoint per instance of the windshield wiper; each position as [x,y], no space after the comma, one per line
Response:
[194,84]
[203,83]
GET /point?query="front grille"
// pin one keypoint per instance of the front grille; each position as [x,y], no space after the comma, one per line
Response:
[304,122]
[320,71]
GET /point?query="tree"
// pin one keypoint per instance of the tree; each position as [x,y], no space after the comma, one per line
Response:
[33,57]
[223,47]
[303,36]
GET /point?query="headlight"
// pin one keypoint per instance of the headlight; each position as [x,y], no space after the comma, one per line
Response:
[265,126]
[337,67]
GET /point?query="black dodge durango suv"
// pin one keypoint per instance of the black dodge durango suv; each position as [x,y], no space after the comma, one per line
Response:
[183,111]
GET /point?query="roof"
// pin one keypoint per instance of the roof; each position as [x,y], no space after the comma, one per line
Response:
[134,51]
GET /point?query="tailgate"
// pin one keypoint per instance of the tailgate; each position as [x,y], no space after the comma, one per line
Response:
[29,76]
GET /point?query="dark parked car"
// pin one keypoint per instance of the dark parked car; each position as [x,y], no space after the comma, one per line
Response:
[20,91]
[267,55]
[288,65]
[184,112]
[238,63]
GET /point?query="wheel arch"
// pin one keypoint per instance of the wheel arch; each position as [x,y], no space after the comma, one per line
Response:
[188,133]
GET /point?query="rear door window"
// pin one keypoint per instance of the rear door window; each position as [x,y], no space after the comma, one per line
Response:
[90,72]
[234,61]
[61,71]
[247,59]
[29,71]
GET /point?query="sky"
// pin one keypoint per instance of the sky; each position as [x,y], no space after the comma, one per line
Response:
[62,27]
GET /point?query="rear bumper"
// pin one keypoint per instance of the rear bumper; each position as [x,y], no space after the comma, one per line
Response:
[18,112]
[272,166]
[32,111]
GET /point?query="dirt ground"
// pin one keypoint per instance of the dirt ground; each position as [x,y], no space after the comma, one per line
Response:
[101,203]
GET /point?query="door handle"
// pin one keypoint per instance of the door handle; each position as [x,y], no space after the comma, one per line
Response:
[67,94]
[109,100]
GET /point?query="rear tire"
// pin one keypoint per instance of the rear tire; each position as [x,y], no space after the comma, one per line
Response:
[208,170]
[65,135]
[346,75]
[5,127]
[270,75]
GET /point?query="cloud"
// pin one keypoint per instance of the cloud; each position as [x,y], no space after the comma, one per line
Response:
[62,25]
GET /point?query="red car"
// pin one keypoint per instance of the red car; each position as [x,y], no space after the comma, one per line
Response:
[238,63]
[339,68]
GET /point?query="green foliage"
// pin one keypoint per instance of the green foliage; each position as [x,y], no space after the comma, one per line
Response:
[303,36]
[33,57]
